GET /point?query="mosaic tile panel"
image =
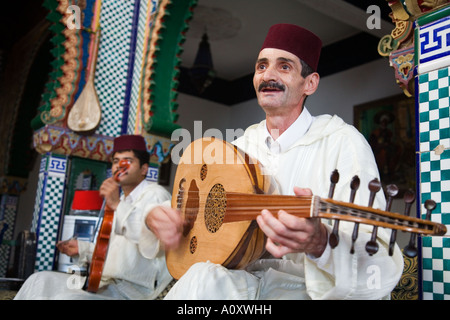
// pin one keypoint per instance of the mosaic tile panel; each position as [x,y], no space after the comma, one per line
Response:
[152,174]
[434,101]
[433,147]
[435,184]
[433,45]
[147,10]
[433,40]
[46,222]
[38,198]
[436,268]
[7,222]
[112,65]
[49,223]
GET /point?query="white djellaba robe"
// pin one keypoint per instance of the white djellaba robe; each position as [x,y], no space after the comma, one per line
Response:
[135,266]
[305,156]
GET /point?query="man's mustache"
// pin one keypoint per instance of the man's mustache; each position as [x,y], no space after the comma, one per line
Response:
[271,85]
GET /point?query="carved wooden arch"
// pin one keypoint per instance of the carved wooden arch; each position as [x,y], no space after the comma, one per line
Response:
[67,71]
[159,81]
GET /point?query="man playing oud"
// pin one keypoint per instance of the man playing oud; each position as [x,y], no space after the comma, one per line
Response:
[306,150]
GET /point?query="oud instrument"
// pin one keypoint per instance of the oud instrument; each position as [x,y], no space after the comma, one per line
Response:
[102,243]
[220,191]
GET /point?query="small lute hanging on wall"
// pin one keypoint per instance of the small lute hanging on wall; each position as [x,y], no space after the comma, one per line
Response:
[220,191]
[85,115]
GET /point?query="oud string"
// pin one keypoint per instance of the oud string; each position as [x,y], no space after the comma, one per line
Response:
[241,206]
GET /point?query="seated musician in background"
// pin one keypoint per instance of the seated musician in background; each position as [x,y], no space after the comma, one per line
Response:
[135,266]
[301,152]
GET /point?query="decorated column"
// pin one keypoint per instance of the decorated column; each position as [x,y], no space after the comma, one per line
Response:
[8,211]
[419,51]
[432,32]
[48,207]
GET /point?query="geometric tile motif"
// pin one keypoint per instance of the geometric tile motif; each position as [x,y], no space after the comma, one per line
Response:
[57,165]
[436,268]
[434,102]
[146,10]
[38,200]
[152,174]
[49,223]
[7,219]
[112,64]
[433,41]
[432,99]
[435,184]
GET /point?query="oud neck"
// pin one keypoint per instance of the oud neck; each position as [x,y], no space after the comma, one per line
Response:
[244,207]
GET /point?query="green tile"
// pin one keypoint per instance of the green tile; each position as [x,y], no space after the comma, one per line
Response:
[436,253]
[424,97]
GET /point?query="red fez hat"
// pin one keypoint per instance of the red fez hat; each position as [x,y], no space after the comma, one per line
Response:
[296,40]
[129,142]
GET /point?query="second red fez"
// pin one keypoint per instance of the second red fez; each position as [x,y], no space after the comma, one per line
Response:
[129,142]
[296,40]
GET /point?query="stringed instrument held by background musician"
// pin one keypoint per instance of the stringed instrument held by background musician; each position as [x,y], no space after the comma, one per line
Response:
[220,191]
[101,246]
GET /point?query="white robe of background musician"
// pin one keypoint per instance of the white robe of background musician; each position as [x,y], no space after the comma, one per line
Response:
[305,156]
[135,267]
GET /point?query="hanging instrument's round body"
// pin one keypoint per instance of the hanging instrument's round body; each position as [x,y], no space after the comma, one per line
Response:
[208,174]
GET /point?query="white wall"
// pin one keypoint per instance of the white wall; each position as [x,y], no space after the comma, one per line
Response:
[212,115]
[337,94]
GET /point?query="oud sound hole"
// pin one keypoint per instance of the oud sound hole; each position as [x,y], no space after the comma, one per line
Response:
[215,208]
[193,244]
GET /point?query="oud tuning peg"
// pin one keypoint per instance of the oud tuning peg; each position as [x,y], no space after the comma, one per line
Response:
[409,199]
[391,191]
[354,186]
[355,232]
[411,249]
[430,205]
[374,187]
[356,226]
[372,245]
[334,178]
[334,236]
